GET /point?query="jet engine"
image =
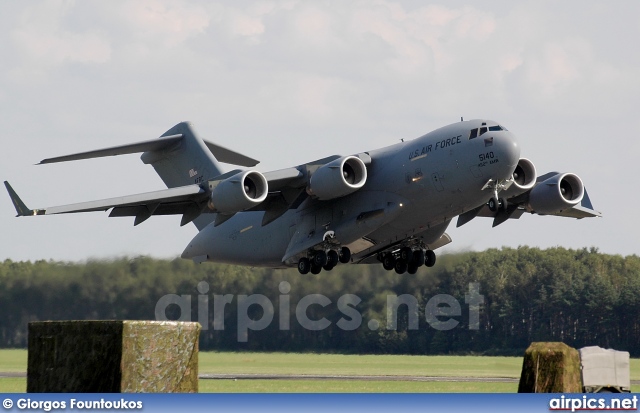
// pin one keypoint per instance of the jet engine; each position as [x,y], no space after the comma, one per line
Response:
[241,191]
[338,178]
[524,178]
[555,194]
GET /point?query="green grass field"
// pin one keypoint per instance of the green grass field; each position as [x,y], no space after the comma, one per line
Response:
[339,364]
[332,364]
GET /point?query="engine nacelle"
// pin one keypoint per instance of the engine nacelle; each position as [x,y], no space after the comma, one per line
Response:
[338,178]
[242,191]
[524,178]
[560,192]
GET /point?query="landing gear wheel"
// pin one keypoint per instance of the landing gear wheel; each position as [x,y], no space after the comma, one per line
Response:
[430,258]
[418,258]
[406,254]
[344,255]
[304,265]
[315,269]
[401,266]
[332,258]
[319,259]
[412,269]
[493,204]
[388,262]
[503,204]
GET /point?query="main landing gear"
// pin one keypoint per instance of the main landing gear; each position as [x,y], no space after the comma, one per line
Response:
[321,259]
[407,260]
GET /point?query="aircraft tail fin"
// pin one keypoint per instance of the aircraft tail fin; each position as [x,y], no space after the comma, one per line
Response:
[180,157]
[191,161]
[187,162]
[179,145]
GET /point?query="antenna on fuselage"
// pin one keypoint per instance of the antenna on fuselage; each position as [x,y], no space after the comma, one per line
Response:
[461,119]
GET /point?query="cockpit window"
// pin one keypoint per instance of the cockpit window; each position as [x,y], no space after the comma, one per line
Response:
[484,129]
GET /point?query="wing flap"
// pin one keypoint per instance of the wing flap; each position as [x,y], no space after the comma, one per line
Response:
[186,200]
[578,212]
[182,193]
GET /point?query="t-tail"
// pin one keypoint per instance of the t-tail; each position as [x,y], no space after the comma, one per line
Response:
[179,156]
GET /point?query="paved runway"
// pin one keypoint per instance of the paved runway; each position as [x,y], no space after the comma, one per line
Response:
[358,377]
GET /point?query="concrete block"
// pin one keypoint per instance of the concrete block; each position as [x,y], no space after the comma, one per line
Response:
[113,356]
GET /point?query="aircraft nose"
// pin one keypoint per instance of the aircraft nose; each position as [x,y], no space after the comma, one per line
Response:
[509,147]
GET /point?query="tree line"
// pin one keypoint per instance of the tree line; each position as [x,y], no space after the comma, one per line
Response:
[580,297]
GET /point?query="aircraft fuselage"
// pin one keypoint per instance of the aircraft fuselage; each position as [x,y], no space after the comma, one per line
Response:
[413,190]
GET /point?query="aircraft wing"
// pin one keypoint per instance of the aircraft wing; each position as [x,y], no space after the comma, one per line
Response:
[286,187]
[519,204]
[183,200]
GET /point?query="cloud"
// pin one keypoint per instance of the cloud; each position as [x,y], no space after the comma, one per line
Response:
[292,81]
[42,36]
[170,22]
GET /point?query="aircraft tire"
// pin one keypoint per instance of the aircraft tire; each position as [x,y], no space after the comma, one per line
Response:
[418,258]
[406,254]
[315,269]
[503,204]
[320,259]
[332,259]
[304,265]
[344,255]
[388,262]
[493,204]
[412,269]
[430,258]
[401,266]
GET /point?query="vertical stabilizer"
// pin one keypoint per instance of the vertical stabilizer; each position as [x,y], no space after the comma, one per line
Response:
[187,162]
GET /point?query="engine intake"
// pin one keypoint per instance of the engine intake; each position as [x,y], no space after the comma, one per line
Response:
[240,192]
[338,178]
[555,194]
[524,178]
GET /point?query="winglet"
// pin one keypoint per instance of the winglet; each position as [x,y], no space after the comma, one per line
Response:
[21,208]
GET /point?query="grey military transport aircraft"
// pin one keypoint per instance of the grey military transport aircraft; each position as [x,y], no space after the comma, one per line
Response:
[390,205]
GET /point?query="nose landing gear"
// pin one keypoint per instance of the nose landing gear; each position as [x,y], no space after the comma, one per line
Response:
[496,204]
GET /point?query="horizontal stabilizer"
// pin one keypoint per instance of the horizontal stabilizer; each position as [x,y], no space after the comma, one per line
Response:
[152,145]
[170,142]
[228,156]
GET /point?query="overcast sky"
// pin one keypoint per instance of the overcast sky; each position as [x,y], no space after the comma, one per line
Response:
[288,82]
